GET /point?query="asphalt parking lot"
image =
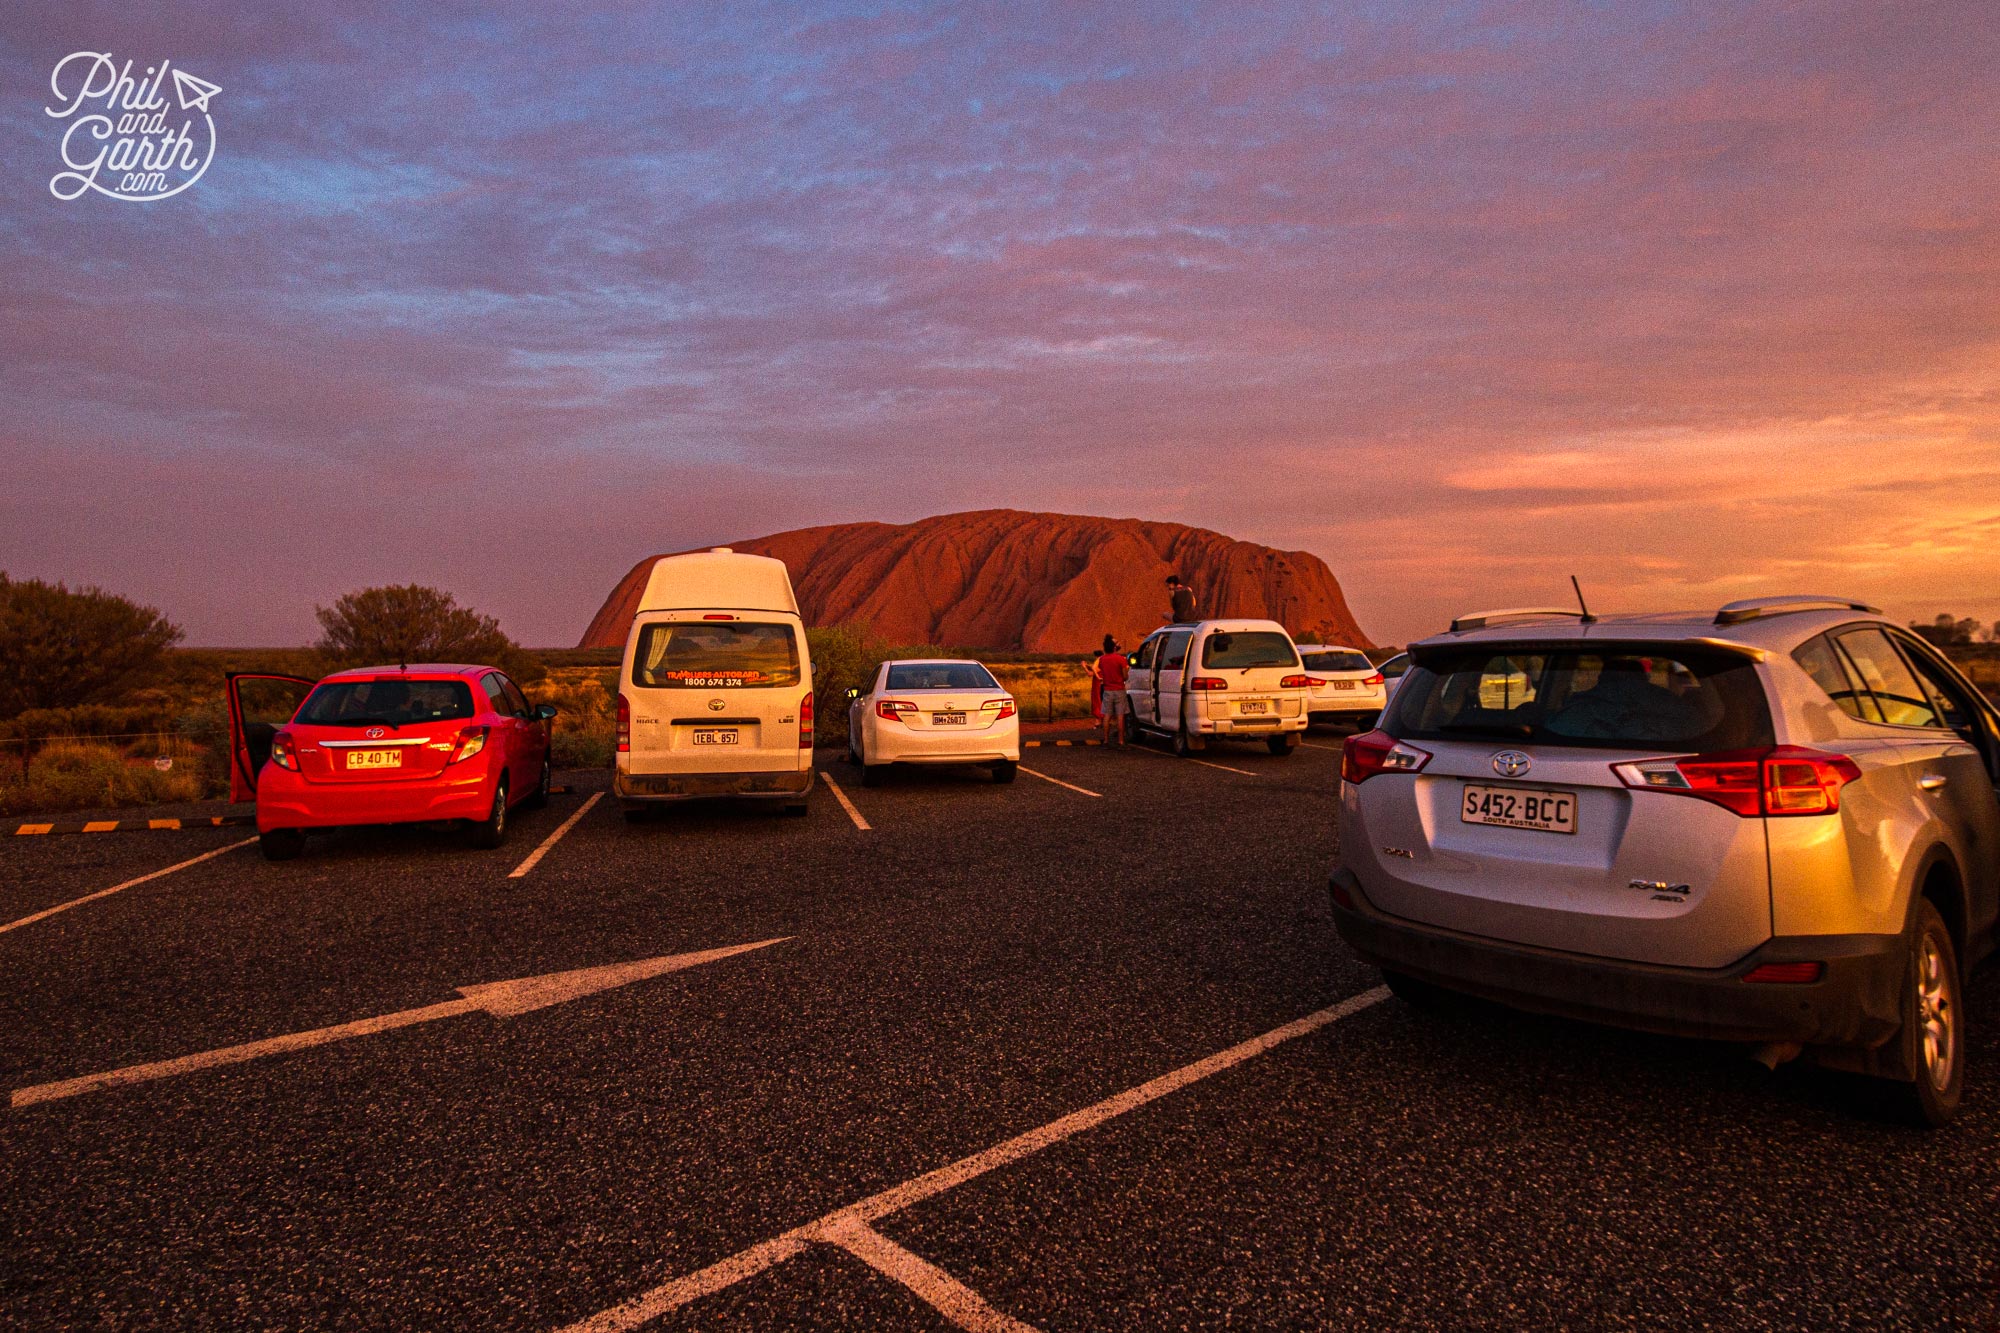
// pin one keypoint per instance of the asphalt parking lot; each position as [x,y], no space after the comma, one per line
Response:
[1082,1052]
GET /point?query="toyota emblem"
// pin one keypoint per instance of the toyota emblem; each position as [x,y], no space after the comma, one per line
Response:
[376,733]
[717,705]
[1511,763]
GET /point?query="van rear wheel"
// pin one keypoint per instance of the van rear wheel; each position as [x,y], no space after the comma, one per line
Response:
[1281,744]
[1186,743]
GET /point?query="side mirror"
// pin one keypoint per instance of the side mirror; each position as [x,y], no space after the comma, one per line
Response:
[854,694]
[546,711]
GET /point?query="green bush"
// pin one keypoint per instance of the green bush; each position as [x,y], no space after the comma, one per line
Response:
[89,775]
[846,657]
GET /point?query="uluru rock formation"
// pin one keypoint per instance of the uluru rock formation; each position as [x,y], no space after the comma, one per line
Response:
[1002,578]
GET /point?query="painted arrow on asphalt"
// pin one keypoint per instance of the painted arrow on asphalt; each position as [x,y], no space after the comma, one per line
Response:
[502,999]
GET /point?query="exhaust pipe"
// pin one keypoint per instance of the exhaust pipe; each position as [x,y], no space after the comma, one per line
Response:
[1774,1053]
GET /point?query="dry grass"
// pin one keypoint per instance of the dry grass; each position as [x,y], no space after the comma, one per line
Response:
[91,775]
[1047,691]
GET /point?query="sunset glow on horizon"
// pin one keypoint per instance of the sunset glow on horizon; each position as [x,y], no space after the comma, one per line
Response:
[1691,302]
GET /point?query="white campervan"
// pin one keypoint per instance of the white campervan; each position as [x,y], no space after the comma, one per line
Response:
[715,695]
[1220,680]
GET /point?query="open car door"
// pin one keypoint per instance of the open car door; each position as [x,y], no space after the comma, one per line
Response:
[258,705]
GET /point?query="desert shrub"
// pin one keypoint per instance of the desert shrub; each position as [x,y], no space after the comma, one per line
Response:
[60,649]
[72,775]
[846,657]
[587,716]
[411,623]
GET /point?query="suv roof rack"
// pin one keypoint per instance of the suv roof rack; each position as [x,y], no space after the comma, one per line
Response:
[1481,619]
[1751,608]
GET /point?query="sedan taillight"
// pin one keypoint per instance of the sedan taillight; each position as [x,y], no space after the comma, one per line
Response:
[1005,707]
[1375,752]
[1297,683]
[1373,680]
[470,742]
[893,709]
[1779,780]
[624,725]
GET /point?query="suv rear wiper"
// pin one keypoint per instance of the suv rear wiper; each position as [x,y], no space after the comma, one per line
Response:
[1517,729]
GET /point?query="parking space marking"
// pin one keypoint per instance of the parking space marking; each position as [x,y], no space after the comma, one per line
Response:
[845,804]
[502,999]
[940,1290]
[48,912]
[1059,782]
[1315,745]
[1140,749]
[535,857]
[650,1305]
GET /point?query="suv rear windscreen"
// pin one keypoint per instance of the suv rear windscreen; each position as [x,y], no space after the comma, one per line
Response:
[393,702]
[1624,697]
[1337,659]
[1247,648]
[708,655]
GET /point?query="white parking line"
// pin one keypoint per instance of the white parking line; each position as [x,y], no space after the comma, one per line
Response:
[48,912]
[535,857]
[845,804]
[650,1305]
[940,1290]
[1315,745]
[1140,749]
[1059,782]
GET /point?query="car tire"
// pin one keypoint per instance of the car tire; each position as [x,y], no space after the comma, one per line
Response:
[873,775]
[540,797]
[1004,770]
[1423,995]
[1933,1033]
[1281,745]
[281,844]
[1187,743]
[490,832]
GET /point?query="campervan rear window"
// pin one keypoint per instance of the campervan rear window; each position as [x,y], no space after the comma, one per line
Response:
[712,655]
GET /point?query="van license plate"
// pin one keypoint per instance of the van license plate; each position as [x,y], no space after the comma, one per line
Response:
[1520,807]
[714,736]
[1254,706]
[947,719]
[374,759]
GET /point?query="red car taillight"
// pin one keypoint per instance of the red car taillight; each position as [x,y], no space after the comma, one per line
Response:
[283,754]
[1374,752]
[1296,683]
[1208,683]
[624,725]
[806,722]
[470,742]
[1780,780]
[893,709]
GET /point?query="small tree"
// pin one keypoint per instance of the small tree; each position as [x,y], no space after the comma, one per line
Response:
[63,649]
[409,623]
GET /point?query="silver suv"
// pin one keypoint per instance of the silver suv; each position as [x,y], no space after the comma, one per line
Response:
[1774,824]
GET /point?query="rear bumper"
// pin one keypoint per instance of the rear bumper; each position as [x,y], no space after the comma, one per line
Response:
[285,800]
[886,745]
[1353,715]
[776,785]
[1855,1004]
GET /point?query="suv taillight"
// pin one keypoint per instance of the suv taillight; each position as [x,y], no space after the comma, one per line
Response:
[624,725]
[1374,752]
[806,722]
[1779,780]
[1208,683]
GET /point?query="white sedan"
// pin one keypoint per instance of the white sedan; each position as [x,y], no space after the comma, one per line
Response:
[1346,686]
[933,712]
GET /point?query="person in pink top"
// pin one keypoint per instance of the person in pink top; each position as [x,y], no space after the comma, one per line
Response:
[1109,671]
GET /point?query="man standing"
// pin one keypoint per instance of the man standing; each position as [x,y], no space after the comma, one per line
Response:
[1182,599]
[1110,672]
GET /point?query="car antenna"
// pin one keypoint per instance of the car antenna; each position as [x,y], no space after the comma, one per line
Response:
[1587,618]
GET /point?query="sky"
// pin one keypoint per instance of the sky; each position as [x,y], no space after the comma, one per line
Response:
[1694,301]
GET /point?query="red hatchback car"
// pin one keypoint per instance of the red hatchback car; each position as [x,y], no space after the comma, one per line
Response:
[385,745]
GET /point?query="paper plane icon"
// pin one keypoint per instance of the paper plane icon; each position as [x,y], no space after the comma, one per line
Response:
[193,92]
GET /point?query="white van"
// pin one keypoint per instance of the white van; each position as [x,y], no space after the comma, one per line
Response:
[1220,680]
[715,694]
